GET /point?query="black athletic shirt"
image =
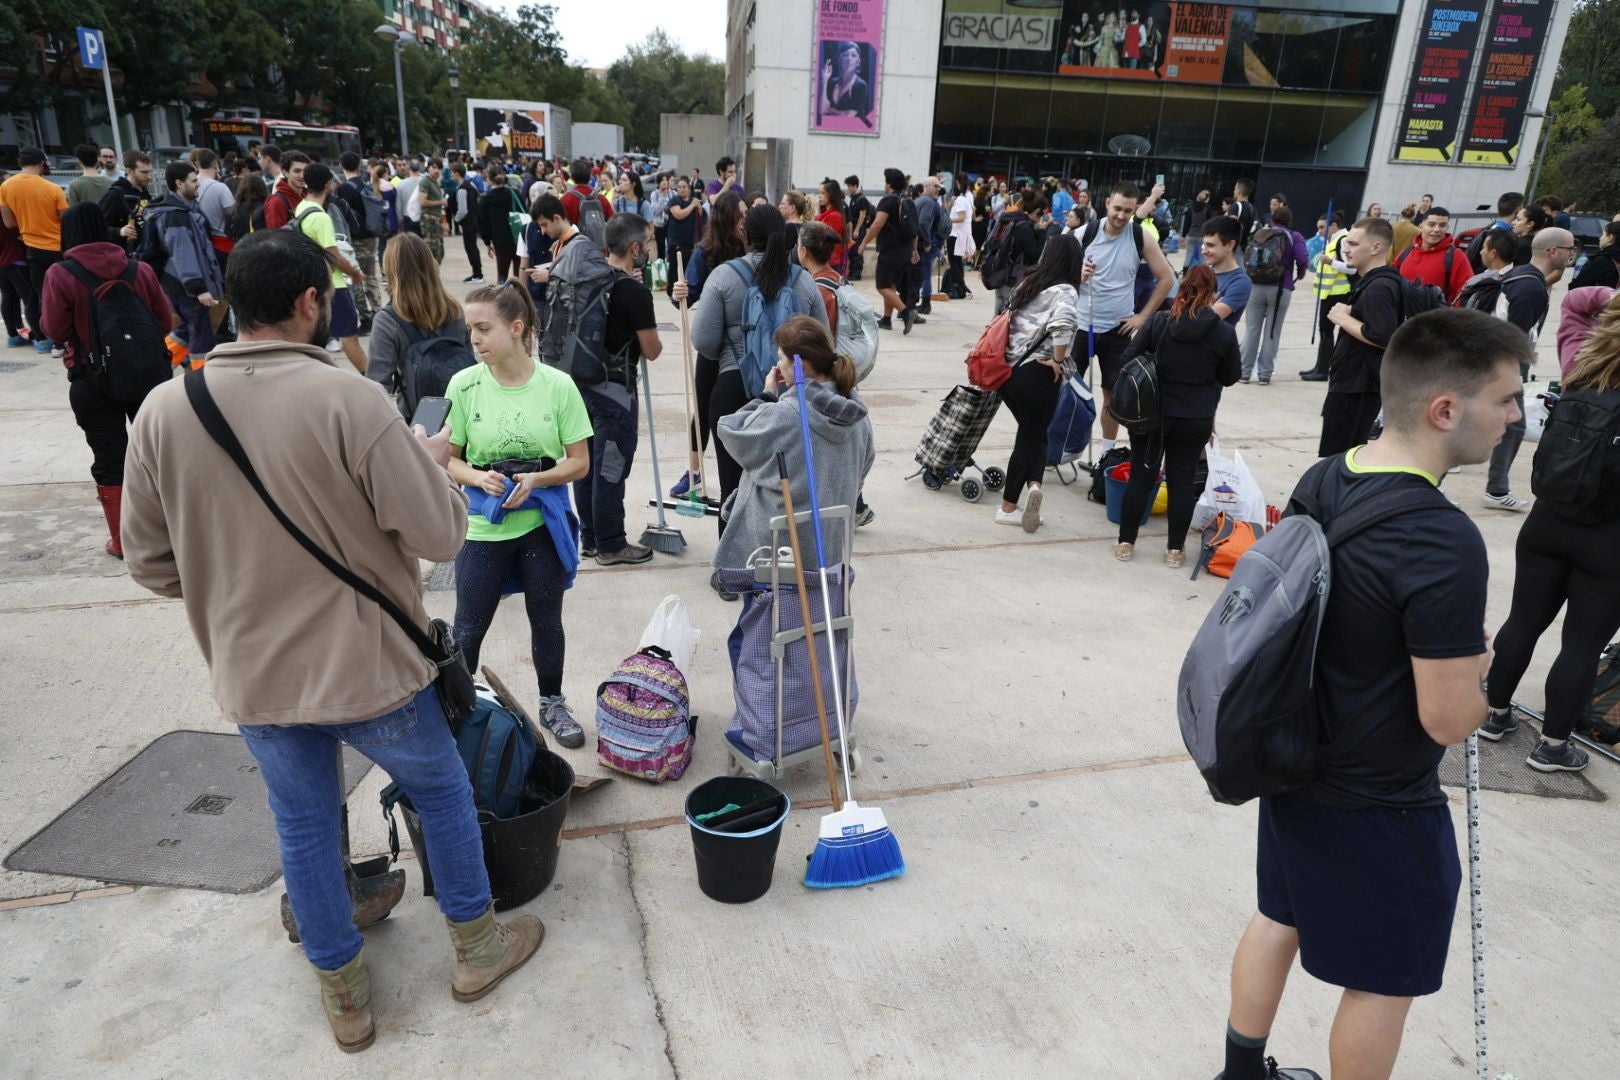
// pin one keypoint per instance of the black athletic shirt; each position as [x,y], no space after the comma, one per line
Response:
[890,239]
[630,308]
[1413,586]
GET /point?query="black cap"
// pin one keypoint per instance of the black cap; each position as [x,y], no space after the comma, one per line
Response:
[30,155]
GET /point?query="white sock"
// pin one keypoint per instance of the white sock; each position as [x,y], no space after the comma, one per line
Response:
[1108,444]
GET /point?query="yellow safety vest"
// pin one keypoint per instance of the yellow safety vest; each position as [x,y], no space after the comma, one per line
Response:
[1330,282]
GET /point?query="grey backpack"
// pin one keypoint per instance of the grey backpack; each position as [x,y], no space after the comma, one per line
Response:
[1247,697]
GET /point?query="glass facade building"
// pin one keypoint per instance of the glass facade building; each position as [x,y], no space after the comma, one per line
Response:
[1281,91]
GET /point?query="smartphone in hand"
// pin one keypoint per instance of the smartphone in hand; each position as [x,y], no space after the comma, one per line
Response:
[431,413]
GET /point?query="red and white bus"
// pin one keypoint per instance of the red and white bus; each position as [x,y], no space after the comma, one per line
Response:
[322,142]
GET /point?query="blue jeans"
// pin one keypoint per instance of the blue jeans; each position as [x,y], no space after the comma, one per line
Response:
[599,495]
[413,745]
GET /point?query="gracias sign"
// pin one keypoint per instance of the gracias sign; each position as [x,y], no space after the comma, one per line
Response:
[963,31]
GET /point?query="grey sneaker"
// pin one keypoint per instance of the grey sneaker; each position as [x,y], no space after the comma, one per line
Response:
[865,516]
[1548,758]
[557,718]
[1498,724]
[587,551]
[629,554]
[1505,501]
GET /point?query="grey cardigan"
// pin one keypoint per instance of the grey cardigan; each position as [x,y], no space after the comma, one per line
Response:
[389,340]
[717,330]
[841,436]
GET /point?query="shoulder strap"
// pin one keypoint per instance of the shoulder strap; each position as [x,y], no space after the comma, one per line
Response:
[1138,235]
[202,402]
[1089,236]
[91,283]
[1376,510]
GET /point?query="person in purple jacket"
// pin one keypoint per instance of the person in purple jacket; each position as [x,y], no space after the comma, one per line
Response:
[1268,305]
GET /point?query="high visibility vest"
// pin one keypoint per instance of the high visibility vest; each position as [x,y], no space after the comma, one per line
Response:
[1330,282]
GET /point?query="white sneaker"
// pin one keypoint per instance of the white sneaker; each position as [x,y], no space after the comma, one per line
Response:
[1032,510]
[1509,501]
[1015,517]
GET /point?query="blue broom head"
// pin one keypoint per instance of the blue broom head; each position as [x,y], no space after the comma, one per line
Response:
[855,848]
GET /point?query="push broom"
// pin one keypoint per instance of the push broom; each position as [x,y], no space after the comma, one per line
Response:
[661,537]
[693,503]
[855,846]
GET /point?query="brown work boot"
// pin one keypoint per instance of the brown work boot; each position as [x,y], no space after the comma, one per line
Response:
[488,951]
[346,994]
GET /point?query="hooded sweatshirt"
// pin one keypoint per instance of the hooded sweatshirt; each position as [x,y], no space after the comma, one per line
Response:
[1427,266]
[178,236]
[1579,313]
[717,329]
[281,205]
[1197,356]
[65,305]
[841,434]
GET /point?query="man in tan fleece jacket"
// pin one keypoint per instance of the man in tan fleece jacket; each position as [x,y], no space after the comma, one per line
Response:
[297,658]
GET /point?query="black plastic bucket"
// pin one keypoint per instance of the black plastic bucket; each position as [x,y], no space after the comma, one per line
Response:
[734,868]
[520,853]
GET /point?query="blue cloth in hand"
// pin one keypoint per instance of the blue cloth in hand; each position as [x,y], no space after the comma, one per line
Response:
[555,510]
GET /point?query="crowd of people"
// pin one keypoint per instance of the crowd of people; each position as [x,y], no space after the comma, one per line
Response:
[244,271]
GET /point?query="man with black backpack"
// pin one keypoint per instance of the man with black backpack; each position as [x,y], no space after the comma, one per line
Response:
[176,243]
[1357,871]
[1364,325]
[368,214]
[1524,303]
[1012,247]
[894,231]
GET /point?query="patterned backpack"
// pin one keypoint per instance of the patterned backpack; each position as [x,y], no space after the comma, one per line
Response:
[643,722]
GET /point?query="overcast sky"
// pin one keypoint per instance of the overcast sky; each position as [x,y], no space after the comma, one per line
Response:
[597,32]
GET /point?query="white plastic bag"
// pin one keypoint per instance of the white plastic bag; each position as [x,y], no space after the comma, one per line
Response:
[671,629]
[1231,489]
[1535,415]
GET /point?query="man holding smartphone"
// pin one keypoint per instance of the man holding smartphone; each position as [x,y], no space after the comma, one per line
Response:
[1108,291]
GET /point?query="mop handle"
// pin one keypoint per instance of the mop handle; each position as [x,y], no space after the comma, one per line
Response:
[652,437]
[809,636]
[1476,907]
[1319,259]
[821,559]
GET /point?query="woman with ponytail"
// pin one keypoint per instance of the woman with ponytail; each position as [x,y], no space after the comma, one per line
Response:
[1197,354]
[840,438]
[718,329]
[513,419]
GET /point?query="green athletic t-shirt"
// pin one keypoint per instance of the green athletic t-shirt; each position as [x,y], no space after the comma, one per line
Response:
[496,423]
[317,225]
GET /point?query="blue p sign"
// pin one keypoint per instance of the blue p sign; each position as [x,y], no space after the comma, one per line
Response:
[92,50]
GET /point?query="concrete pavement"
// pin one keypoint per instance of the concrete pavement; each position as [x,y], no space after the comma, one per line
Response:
[1072,894]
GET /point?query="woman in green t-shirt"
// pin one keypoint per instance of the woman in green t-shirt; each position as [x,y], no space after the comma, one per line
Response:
[511,417]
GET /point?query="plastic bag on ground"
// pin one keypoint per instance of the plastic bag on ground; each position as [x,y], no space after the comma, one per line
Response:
[1232,489]
[671,629]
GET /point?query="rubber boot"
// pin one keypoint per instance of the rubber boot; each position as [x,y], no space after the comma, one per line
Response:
[346,993]
[112,507]
[488,951]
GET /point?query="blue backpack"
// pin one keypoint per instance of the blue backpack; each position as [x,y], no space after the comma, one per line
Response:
[498,748]
[760,320]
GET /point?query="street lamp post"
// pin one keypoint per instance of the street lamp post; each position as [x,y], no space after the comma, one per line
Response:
[455,119]
[400,38]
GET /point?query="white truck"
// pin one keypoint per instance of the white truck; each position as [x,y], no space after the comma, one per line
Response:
[598,141]
[505,127]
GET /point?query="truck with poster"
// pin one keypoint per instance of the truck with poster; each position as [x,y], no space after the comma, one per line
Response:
[506,128]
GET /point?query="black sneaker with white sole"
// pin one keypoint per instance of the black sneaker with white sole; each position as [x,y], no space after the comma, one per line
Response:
[1498,724]
[1275,1073]
[1548,758]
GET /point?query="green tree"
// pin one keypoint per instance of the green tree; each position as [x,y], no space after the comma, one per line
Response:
[658,76]
[1574,121]
[22,22]
[1591,55]
[1585,171]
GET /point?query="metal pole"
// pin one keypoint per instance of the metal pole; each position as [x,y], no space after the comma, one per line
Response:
[112,111]
[399,93]
[1541,155]
[1476,908]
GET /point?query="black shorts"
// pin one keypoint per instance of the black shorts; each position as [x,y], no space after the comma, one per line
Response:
[1372,892]
[345,319]
[1110,355]
[892,266]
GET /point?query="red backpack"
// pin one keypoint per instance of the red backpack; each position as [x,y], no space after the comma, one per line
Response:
[987,360]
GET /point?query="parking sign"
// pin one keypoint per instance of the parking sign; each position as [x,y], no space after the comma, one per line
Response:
[92,51]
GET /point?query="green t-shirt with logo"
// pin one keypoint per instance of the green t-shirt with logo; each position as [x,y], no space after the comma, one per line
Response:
[316,224]
[494,423]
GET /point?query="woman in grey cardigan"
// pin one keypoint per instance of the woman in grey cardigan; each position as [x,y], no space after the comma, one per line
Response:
[840,437]
[718,329]
[418,307]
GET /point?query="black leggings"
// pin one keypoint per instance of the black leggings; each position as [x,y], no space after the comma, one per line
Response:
[704,374]
[1324,331]
[14,287]
[505,262]
[482,569]
[1559,562]
[1176,444]
[729,396]
[104,420]
[1031,395]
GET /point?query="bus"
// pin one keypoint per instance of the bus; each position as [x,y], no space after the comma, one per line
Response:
[322,142]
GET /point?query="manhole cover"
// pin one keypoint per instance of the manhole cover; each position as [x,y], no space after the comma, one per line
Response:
[188,811]
[1502,768]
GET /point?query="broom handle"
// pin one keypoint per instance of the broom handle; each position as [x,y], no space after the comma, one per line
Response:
[809,632]
[821,560]
[694,460]
[1476,908]
[652,437]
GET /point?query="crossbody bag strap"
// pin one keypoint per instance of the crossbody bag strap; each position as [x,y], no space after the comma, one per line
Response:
[213,421]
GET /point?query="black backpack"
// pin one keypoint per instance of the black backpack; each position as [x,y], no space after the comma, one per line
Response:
[1135,401]
[996,265]
[1092,228]
[430,361]
[1576,471]
[907,225]
[1267,255]
[126,345]
[1099,488]
[1416,298]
